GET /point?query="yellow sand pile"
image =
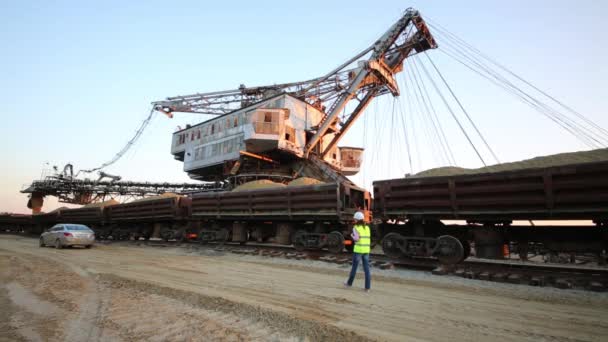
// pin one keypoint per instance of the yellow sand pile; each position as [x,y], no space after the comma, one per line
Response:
[304,181]
[102,204]
[165,195]
[259,184]
[537,162]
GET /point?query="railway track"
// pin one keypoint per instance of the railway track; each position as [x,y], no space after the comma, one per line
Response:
[504,271]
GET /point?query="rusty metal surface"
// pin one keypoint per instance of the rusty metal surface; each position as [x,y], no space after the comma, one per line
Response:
[81,215]
[304,202]
[19,219]
[578,191]
[174,208]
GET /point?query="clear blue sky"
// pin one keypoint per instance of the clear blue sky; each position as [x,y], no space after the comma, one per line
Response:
[76,79]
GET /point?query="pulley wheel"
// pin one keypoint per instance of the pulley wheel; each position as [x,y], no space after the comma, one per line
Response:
[449,250]
[335,242]
[391,246]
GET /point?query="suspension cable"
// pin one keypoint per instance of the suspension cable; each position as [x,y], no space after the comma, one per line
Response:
[407,144]
[530,84]
[462,108]
[434,112]
[577,129]
[588,136]
[464,132]
[412,124]
[441,158]
[436,126]
[129,144]
[509,88]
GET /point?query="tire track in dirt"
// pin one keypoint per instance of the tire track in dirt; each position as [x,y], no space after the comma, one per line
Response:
[397,309]
[280,325]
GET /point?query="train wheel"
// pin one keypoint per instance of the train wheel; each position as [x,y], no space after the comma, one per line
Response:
[390,245]
[298,242]
[449,250]
[335,242]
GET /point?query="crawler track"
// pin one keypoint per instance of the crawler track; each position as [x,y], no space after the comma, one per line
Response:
[504,271]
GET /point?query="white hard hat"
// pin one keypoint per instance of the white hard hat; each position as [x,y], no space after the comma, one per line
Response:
[359,216]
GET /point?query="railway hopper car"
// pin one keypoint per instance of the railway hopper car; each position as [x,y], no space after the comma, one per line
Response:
[309,216]
[413,211]
[165,217]
[15,223]
[90,216]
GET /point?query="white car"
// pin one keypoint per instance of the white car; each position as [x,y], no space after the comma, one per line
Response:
[67,234]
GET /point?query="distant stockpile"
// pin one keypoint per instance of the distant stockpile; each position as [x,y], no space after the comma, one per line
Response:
[537,162]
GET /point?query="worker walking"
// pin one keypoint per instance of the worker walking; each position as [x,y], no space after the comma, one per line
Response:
[362,236]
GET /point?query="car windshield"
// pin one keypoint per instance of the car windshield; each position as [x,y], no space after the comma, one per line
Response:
[77,227]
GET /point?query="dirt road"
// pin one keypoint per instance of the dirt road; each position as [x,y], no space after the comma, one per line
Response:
[112,293]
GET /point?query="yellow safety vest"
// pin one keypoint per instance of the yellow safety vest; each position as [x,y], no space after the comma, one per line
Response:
[362,246]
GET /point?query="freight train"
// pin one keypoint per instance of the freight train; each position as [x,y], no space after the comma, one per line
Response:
[445,217]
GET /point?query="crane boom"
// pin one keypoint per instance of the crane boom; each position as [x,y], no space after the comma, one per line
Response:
[361,80]
[374,77]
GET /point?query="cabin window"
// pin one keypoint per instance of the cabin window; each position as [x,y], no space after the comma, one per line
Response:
[290,134]
[213,129]
[227,123]
[267,117]
[236,121]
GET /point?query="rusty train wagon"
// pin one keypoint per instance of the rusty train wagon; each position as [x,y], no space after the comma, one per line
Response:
[167,218]
[90,216]
[16,223]
[412,210]
[309,216]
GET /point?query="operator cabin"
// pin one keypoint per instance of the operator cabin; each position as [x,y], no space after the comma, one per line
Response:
[275,128]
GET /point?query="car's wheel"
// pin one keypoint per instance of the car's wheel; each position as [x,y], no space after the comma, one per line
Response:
[58,244]
[41,243]
[88,246]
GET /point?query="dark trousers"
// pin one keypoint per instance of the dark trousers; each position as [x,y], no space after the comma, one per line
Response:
[353,270]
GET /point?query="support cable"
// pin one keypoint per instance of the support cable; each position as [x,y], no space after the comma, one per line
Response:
[439,155]
[530,84]
[434,113]
[469,52]
[129,144]
[542,108]
[578,130]
[390,147]
[464,132]
[438,133]
[412,124]
[462,108]
[404,126]
[423,127]
[509,88]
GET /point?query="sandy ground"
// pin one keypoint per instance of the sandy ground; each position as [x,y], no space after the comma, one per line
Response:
[113,293]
